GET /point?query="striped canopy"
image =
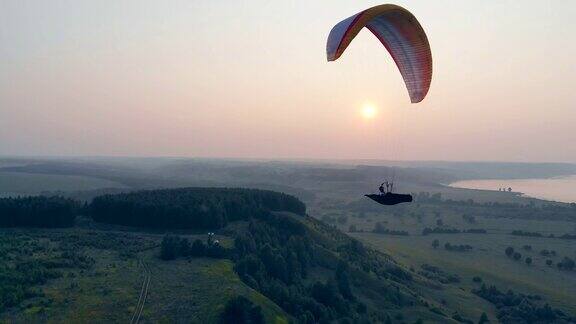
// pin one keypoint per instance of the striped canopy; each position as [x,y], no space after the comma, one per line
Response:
[401,34]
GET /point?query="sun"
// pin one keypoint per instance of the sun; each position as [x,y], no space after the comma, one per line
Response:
[369,111]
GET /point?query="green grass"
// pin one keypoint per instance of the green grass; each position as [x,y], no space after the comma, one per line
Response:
[186,290]
[487,259]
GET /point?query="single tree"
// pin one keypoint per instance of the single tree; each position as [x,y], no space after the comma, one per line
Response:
[435,243]
[509,251]
[568,263]
[517,256]
[528,260]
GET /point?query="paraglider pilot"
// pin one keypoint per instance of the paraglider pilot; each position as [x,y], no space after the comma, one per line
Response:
[386,187]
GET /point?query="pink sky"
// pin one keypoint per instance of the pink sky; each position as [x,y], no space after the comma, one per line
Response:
[250,79]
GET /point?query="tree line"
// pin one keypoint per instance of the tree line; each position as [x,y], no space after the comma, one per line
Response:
[38,211]
[189,208]
[519,308]
[174,246]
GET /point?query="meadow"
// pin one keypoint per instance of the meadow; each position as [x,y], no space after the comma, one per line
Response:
[108,288]
[486,259]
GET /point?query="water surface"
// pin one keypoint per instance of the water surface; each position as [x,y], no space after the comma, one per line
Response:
[557,189]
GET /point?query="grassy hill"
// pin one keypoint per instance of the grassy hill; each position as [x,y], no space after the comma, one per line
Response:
[91,274]
[292,266]
[107,288]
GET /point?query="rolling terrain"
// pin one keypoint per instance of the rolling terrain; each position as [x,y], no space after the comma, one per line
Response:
[95,271]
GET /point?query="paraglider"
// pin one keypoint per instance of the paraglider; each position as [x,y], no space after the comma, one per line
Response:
[400,33]
[387,197]
[404,38]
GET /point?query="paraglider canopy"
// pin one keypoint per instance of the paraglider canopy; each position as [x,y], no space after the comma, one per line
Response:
[400,33]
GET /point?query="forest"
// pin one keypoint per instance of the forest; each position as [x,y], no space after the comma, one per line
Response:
[38,211]
[189,208]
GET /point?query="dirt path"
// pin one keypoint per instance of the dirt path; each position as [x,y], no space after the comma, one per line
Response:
[143,294]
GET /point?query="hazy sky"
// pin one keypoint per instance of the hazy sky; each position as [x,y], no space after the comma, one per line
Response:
[250,79]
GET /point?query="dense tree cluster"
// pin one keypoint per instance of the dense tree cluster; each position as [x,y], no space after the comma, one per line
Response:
[201,208]
[434,273]
[451,230]
[457,247]
[240,310]
[520,308]
[524,233]
[380,228]
[440,230]
[37,211]
[174,246]
[275,259]
[566,264]
[275,255]
[476,231]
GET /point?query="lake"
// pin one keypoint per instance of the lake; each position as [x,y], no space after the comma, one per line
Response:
[557,189]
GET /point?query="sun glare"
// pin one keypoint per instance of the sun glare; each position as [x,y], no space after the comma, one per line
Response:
[368,111]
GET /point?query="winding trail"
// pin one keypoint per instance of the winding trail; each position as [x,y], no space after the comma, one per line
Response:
[143,294]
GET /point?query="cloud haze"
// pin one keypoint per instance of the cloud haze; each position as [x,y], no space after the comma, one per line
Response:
[250,79]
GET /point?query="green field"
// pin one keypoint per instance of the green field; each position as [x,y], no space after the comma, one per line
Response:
[19,183]
[487,259]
